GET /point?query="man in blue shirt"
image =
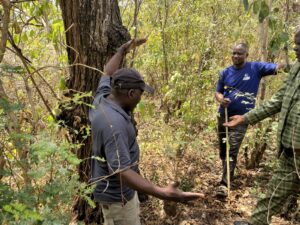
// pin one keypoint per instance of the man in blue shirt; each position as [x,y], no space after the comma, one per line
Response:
[236,90]
[115,149]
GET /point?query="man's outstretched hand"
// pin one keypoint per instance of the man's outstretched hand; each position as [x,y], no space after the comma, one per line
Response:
[132,44]
[175,194]
[115,62]
[234,121]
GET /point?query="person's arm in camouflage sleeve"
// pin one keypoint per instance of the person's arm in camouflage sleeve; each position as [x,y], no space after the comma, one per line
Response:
[265,110]
[268,108]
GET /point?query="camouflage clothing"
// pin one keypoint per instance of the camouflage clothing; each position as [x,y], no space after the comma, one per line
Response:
[285,182]
[286,179]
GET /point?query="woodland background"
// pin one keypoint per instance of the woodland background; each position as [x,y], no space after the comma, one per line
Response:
[51,57]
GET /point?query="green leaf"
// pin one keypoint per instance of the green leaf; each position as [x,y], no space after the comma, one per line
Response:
[50,119]
[78,98]
[24,37]
[19,210]
[72,159]
[62,83]
[16,38]
[44,149]
[264,11]
[32,33]
[141,108]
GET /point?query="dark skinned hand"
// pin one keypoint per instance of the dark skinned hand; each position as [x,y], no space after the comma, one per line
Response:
[174,194]
[132,44]
[234,121]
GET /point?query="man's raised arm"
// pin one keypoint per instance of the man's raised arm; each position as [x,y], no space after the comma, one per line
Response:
[115,62]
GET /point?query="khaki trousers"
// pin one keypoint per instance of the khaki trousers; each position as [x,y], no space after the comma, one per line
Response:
[120,214]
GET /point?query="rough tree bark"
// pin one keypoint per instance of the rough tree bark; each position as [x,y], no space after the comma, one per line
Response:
[93,32]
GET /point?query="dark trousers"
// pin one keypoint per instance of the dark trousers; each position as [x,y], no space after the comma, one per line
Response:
[236,136]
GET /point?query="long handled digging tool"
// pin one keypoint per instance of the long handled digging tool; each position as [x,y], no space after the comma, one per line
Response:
[227,154]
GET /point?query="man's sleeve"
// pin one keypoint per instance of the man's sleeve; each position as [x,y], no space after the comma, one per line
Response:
[220,84]
[268,108]
[104,87]
[267,68]
[116,149]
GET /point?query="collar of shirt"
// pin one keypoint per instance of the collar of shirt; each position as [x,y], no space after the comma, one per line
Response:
[117,108]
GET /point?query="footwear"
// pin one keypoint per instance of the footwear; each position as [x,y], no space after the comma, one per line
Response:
[232,165]
[222,191]
[241,223]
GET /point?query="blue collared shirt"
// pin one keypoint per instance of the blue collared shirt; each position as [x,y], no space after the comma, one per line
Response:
[241,85]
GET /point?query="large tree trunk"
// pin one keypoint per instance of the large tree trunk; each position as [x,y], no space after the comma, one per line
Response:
[93,32]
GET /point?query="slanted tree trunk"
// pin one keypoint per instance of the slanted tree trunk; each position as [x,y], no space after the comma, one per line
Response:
[93,32]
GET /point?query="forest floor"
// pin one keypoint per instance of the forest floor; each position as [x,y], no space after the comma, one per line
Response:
[199,170]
